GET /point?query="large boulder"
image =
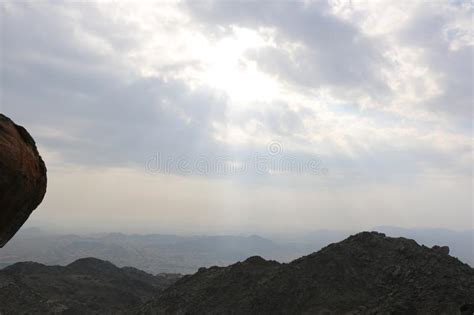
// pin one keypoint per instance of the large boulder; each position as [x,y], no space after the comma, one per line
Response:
[22,178]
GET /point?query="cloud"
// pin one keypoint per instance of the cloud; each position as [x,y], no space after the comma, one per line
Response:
[443,32]
[114,115]
[379,93]
[410,64]
[90,87]
[356,51]
[312,47]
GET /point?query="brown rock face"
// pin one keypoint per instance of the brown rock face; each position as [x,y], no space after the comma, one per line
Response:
[22,178]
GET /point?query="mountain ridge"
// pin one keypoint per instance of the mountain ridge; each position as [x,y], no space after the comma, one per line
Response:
[167,253]
[366,273]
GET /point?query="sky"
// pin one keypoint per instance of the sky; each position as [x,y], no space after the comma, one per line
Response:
[245,117]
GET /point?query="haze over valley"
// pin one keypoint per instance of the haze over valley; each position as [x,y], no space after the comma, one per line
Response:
[157,253]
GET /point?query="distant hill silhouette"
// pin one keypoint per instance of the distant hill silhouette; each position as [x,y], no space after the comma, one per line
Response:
[86,286]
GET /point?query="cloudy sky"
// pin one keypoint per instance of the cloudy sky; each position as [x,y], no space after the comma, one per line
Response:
[245,117]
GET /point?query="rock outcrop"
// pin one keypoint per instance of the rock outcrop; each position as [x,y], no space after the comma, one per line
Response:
[22,178]
[368,273]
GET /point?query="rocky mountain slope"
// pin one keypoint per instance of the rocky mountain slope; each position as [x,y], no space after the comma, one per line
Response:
[367,273]
[86,286]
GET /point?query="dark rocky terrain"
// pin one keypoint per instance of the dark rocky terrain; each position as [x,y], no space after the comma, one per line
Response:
[86,286]
[367,273]
[22,178]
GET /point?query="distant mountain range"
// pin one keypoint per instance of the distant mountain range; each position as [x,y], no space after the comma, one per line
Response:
[152,253]
[157,253]
[367,273]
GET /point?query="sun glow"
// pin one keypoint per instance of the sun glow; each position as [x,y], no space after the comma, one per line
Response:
[229,70]
[171,46]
